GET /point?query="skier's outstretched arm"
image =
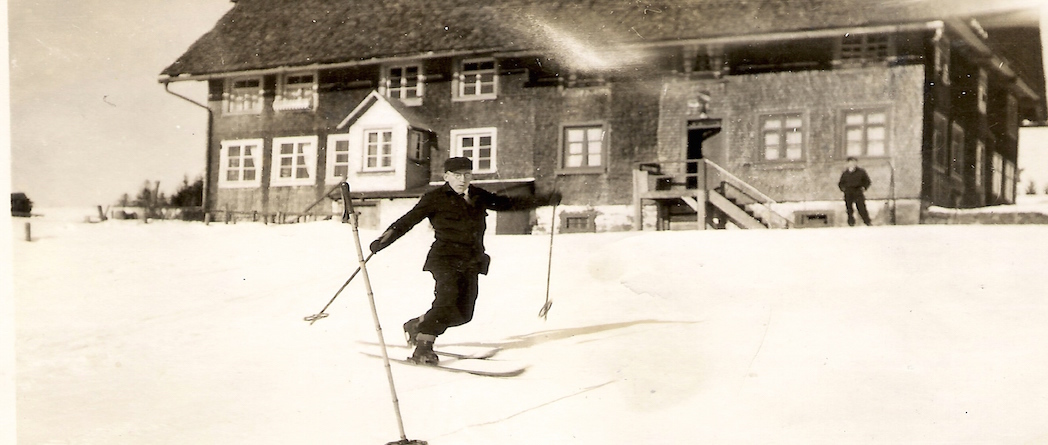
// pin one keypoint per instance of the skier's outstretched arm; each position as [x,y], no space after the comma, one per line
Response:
[422,210]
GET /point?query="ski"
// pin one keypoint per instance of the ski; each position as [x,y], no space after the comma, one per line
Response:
[483,368]
[481,354]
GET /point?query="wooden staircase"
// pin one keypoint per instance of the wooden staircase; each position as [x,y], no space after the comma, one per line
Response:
[711,197]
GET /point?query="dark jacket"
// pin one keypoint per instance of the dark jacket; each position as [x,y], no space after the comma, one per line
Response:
[854,181]
[458,225]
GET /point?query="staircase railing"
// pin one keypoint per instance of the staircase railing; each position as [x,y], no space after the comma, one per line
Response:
[744,194]
[706,175]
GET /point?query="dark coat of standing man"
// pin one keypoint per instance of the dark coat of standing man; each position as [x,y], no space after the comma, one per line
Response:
[854,183]
[457,212]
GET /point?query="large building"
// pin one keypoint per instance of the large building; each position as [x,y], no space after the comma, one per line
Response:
[691,113]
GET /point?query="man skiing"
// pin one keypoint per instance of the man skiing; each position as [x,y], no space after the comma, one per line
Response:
[854,182]
[457,212]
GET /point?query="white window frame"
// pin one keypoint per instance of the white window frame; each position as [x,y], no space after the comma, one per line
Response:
[460,80]
[1009,182]
[332,157]
[308,161]
[255,157]
[783,141]
[299,96]
[379,156]
[565,142]
[231,92]
[867,127]
[457,148]
[403,91]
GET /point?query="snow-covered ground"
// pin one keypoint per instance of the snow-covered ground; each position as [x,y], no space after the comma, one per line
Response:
[180,333]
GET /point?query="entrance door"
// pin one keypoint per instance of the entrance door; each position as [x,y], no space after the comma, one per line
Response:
[704,142]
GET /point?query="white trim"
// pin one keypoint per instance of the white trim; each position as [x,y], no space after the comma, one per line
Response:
[309,153]
[456,146]
[493,181]
[256,158]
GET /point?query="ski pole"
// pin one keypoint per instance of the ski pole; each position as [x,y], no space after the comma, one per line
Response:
[349,215]
[317,316]
[549,264]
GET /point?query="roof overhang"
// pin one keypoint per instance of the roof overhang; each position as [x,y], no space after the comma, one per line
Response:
[988,59]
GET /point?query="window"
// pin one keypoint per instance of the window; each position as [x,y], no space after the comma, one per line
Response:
[582,148]
[294,161]
[418,145]
[939,141]
[782,137]
[865,132]
[865,47]
[296,92]
[338,157]
[957,150]
[404,83]
[477,79]
[239,164]
[477,144]
[244,95]
[980,158]
[378,150]
[998,175]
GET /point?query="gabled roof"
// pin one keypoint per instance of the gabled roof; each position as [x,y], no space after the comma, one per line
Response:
[260,34]
[412,118]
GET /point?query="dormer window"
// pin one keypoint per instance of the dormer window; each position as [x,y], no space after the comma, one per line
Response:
[243,95]
[476,79]
[404,82]
[296,91]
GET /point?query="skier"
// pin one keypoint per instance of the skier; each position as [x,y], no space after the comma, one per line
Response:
[457,212]
[854,182]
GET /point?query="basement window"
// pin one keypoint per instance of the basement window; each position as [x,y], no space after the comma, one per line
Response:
[813,219]
[583,222]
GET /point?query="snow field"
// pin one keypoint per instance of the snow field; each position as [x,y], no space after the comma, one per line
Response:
[176,333]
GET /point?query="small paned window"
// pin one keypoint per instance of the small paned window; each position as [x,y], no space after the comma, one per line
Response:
[340,158]
[240,164]
[244,95]
[782,137]
[866,132]
[980,158]
[583,147]
[404,83]
[294,160]
[477,79]
[480,145]
[865,47]
[378,150]
[998,175]
[940,129]
[296,92]
[957,150]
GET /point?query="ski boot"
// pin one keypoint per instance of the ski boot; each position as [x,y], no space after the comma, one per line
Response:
[411,330]
[424,354]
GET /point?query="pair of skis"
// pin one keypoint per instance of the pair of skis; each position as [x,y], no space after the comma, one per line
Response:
[477,362]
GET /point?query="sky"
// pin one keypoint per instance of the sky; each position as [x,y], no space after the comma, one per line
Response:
[89,121]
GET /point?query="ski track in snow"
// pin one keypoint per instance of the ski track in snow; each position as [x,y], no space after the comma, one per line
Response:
[177,333]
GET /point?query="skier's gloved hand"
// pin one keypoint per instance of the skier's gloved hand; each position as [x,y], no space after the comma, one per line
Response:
[382,242]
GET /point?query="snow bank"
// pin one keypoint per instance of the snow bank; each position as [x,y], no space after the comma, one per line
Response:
[176,333]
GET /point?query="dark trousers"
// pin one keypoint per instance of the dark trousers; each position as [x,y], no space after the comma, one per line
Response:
[455,295]
[856,200]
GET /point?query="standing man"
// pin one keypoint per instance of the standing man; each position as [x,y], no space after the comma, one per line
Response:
[457,212]
[854,182]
